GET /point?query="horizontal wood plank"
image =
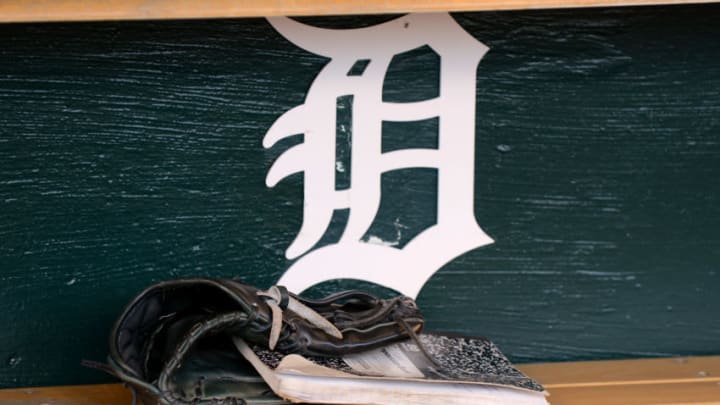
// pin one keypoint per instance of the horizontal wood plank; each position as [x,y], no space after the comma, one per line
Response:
[95,394]
[687,380]
[697,393]
[101,10]
[626,372]
[693,381]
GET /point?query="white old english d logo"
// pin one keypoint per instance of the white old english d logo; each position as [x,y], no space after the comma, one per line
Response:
[456,231]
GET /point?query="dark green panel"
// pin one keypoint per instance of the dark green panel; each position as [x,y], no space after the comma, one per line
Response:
[131,153]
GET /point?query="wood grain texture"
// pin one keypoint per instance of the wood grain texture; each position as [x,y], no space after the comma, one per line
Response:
[690,381]
[105,10]
[693,380]
[131,153]
[115,394]
[700,393]
[660,371]
[685,380]
[94,394]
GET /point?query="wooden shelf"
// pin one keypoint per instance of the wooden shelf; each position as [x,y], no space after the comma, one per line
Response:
[99,10]
[690,381]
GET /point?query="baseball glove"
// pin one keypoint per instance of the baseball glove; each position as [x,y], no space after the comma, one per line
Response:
[173,342]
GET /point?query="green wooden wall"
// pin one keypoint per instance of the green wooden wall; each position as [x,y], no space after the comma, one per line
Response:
[131,153]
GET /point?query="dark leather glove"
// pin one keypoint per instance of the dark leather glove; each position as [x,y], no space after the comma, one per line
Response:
[173,342]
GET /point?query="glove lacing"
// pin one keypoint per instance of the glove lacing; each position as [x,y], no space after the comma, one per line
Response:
[278,299]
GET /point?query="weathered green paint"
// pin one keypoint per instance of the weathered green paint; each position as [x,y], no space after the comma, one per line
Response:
[131,153]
